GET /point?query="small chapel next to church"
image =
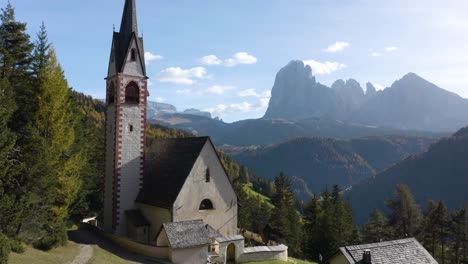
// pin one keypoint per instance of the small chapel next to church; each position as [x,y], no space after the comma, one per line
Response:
[173,199]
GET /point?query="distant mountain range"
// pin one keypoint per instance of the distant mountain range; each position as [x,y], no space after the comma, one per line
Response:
[272,131]
[439,173]
[315,163]
[156,108]
[411,103]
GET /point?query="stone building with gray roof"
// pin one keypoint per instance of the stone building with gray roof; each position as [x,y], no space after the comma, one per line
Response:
[403,251]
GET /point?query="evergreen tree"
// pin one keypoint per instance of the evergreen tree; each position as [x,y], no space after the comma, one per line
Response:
[342,224]
[15,66]
[459,233]
[376,229]
[312,212]
[284,218]
[405,213]
[41,51]
[9,168]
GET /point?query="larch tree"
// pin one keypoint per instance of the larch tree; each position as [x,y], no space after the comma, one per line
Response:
[376,229]
[54,123]
[405,214]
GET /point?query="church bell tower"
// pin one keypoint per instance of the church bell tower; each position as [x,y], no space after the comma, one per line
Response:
[125,122]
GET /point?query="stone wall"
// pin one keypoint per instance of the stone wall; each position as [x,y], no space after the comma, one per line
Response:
[265,254]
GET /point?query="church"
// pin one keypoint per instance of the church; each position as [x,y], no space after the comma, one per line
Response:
[172,199]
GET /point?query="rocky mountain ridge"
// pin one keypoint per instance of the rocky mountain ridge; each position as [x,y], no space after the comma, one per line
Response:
[411,103]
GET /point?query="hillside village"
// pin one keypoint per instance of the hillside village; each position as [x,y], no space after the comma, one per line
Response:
[99,176]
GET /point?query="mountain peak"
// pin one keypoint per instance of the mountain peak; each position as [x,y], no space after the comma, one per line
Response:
[298,67]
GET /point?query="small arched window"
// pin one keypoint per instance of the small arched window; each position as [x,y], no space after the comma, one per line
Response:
[132,93]
[207,175]
[206,205]
[111,94]
[133,55]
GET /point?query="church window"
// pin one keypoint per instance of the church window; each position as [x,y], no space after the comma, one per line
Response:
[132,93]
[111,95]
[206,205]
[207,175]
[130,127]
[133,55]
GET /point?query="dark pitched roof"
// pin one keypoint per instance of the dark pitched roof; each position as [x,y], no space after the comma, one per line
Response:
[401,251]
[188,234]
[136,218]
[128,31]
[167,166]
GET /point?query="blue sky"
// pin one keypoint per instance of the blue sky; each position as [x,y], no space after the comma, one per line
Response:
[250,40]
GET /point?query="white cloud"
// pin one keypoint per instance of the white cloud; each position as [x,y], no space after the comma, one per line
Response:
[379,87]
[376,54]
[150,57]
[324,68]
[391,49]
[160,99]
[337,46]
[244,107]
[210,60]
[184,91]
[237,59]
[254,93]
[240,58]
[181,76]
[218,89]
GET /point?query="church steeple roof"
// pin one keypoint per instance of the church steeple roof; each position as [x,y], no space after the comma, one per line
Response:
[123,39]
[129,23]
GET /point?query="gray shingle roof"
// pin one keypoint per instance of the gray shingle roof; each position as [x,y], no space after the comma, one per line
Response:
[403,251]
[188,234]
[168,164]
[136,218]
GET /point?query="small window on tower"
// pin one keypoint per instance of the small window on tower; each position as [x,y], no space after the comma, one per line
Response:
[133,55]
[130,128]
[207,175]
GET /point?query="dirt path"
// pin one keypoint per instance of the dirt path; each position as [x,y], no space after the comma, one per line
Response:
[88,238]
[86,253]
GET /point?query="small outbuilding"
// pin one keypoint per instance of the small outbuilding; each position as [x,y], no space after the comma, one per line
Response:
[403,251]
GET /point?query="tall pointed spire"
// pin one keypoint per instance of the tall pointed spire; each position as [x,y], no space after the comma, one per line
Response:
[129,19]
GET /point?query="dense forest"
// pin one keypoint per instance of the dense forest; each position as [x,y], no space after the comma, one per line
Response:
[52,160]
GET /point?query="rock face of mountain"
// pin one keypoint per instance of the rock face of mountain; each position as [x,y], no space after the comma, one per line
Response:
[197,112]
[154,108]
[441,173]
[321,162]
[414,103]
[297,95]
[411,103]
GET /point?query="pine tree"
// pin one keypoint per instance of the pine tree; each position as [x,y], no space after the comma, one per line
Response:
[9,168]
[312,212]
[41,51]
[376,229]
[405,213]
[284,218]
[15,66]
[459,233]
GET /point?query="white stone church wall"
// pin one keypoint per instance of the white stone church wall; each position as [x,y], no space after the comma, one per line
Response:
[219,190]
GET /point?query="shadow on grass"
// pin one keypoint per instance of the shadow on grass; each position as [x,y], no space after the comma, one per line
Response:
[87,235]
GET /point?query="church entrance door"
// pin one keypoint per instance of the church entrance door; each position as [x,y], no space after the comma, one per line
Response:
[231,254]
